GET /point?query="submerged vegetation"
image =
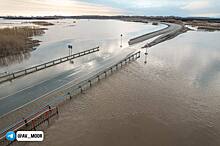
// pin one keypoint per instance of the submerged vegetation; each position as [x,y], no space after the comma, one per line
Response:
[42,23]
[16,42]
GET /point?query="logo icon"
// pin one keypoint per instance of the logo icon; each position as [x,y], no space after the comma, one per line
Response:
[10,136]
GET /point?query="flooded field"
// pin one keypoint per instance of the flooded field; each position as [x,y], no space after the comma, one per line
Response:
[82,34]
[172,100]
[169,97]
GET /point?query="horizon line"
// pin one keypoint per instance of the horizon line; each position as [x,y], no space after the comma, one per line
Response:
[2,16]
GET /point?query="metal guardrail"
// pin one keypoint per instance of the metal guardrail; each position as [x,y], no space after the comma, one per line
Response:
[44,114]
[30,123]
[33,69]
[104,73]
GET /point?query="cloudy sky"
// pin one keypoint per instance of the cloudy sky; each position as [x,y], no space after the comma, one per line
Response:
[204,8]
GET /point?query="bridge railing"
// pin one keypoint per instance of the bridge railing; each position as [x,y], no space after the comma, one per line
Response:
[79,88]
[30,123]
[43,115]
[36,68]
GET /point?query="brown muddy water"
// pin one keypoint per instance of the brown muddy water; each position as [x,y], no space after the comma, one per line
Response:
[173,100]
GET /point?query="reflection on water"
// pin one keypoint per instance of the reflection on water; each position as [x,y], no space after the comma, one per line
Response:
[16,58]
[196,54]
[83,35]
[16,43]
[173,100]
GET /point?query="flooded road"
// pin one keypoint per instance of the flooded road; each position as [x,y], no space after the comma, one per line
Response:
[27,94]
[83,35]
[172,100]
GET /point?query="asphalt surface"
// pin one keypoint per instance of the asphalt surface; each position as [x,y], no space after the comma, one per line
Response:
[50,90]
[170,29]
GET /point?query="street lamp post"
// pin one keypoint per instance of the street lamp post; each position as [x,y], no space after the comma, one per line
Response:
[121,40]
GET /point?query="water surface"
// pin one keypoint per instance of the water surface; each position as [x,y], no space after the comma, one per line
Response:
[171,100]
[84,34]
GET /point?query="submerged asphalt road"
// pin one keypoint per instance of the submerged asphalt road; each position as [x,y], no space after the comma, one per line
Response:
[52,87]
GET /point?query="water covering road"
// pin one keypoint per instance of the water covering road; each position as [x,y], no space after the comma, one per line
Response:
[51,90]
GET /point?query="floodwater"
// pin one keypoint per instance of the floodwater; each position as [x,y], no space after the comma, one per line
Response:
[173,100]
[83,35]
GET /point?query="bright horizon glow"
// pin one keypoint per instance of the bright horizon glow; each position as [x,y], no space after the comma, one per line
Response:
[53,7]
[201,8]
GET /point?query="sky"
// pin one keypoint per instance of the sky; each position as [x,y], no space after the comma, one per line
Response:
[185,8]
